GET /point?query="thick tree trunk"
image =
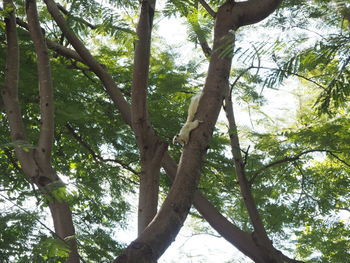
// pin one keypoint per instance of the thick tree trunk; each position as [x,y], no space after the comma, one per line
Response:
[60,211]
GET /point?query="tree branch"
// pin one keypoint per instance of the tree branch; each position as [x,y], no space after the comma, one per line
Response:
[62,50]
[45,83]
[208,8]
[97,157]
[106,79]
[293,158]
[269,68]
[202,41]
[151,149]
[66,12]
[292,73]
[253,11]
[139,114]
[176,218]
[259,235]
[87,23]
[10,95]
[10,90]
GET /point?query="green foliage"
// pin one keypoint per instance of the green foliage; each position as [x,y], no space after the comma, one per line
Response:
[51,250]
[299,175]
[334,248]
[7,10]
[99,246]
[16,229]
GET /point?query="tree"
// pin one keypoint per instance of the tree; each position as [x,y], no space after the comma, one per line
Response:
[157,229]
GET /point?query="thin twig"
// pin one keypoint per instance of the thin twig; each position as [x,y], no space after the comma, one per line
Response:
[294,158]
[97,157]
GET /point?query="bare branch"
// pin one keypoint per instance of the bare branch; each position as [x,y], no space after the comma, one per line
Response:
[45,82]
[208,8]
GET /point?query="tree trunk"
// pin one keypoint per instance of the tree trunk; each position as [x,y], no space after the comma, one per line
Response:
[149,246]
[63,223]
[159,234]
[151,149]
[35,163]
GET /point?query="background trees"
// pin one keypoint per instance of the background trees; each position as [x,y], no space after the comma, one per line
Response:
[290,174]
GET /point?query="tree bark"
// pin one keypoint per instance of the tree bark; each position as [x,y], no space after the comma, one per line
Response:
[259,235]
[35,163]
[60,211]
[106,79]
[233,234]
[10,90]
[150,147]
